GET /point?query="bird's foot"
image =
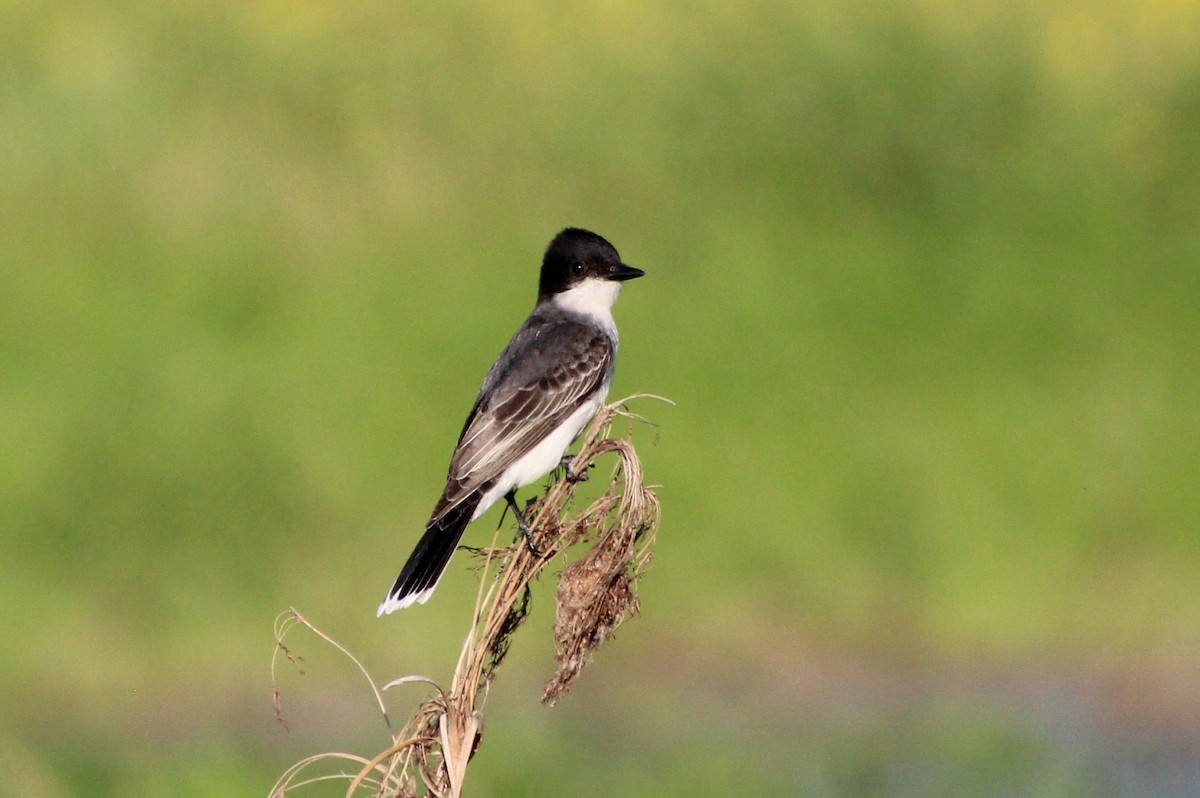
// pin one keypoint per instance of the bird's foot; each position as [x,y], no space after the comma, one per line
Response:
[511,498]
[567,464]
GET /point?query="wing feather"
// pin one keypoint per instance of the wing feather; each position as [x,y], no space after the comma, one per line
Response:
[521,402]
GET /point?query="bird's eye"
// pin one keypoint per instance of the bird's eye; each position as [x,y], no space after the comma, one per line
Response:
[577,268]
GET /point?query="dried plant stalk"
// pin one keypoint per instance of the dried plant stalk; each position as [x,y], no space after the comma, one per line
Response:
[595,595]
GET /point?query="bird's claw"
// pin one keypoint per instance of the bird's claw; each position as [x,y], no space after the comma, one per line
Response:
[572,476]
[511,498]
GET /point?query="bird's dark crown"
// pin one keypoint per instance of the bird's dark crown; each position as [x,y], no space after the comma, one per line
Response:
[575,255]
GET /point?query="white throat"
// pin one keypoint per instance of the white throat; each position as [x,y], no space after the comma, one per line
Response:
[593,298]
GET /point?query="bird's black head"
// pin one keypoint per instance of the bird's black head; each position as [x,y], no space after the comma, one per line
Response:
[576,255]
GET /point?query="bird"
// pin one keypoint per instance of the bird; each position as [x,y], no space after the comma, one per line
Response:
[543,389]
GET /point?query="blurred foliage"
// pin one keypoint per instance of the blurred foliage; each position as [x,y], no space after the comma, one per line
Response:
[922,279]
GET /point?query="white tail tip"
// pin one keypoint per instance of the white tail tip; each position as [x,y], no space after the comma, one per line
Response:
[391,604]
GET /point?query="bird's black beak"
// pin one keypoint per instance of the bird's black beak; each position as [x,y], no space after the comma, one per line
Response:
[623,272]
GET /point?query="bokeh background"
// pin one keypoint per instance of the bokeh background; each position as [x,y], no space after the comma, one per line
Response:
[923,280]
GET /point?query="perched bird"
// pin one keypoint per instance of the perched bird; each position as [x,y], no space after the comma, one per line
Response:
[547,384]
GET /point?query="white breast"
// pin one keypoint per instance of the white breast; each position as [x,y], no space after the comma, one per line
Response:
[545,457]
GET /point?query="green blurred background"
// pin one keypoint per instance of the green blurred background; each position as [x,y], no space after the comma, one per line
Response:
[923,281]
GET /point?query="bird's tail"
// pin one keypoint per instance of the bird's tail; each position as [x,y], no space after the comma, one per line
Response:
[429,559]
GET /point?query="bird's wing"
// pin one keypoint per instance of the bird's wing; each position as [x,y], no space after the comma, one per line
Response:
[521,402]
